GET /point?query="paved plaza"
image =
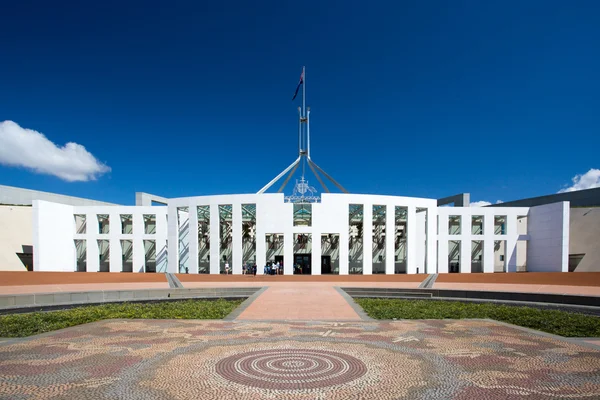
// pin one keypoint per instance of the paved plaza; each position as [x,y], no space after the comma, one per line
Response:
[188,359]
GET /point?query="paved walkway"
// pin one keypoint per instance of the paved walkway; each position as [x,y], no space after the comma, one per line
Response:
[290,301]
[383,360]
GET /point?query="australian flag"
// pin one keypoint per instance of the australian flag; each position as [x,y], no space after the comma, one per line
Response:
[299,84]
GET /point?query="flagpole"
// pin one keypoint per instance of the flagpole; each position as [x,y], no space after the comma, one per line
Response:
[304,92]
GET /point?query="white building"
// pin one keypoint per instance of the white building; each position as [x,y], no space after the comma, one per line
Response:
[339,233]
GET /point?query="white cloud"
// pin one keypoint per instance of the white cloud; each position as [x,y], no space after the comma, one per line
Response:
[483,203]
[589,180]
[26,148]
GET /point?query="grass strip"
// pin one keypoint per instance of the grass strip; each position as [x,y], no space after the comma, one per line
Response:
[20,325]
[562,323]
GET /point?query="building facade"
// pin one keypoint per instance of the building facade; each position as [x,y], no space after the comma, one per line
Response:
[340,233]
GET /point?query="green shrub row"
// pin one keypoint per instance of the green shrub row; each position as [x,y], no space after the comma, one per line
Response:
[19,325]
[563,323]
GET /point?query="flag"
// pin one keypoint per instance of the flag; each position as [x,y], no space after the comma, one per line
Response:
[299,83]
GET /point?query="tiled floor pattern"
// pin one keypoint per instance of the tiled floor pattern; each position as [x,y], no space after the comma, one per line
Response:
[169,359]
[290,301]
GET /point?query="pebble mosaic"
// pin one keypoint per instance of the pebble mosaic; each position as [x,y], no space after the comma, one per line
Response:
[187,359]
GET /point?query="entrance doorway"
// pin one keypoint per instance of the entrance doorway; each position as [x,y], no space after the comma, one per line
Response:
[279,259]
[325,264]
[302,264]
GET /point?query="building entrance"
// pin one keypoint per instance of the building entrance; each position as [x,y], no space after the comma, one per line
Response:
[302,264]
[325,264]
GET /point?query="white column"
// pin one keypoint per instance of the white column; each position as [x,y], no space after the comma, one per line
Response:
[116,253]
[343,245]
[93,253]
[215,240]
[421,250]
[236,234]
[442,243]
[411,241]
[431,240]
[316,254]
[173,246]
[367,239]
[288,253]
[465,250]
[512,233]
[193,239]
[390,239]
[161,243]
[488,243]
[261,251]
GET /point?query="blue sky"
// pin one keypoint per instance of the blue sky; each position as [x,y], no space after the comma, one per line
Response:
[423,99]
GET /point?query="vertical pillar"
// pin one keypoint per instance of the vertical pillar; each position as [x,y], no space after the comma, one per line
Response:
[431,240]
[343,244]
[442,248]
[215,239]
[173,245]
[316,254]
[93,253]
[261,249]
[236,233]
[114,243]
[421,249]
[390,239]
[192,263]
[288,253]
[465,249]
[367,239]
[512,233]
[411,241]
[488,243]
[161,242]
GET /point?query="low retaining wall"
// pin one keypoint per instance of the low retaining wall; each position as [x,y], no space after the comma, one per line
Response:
[21,302]
[476,294]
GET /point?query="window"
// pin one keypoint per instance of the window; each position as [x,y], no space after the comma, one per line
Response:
[454,225]
[500,224]
[302,214]
[149,224]
[126,224]
[477,225]
[103,223]
[80,224]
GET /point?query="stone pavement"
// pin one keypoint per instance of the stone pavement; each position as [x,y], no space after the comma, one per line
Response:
[291,301]
[195,360]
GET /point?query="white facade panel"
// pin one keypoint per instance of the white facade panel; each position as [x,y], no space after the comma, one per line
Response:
[427,236]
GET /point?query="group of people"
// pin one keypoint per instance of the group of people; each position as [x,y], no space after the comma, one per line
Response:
[272,268]
[249,269]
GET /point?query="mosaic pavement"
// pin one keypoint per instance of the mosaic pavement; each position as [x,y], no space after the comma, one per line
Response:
[168,359]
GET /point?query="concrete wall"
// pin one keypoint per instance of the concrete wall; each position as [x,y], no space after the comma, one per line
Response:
[579,198]
[55,235]
[466,237]
[547,228]
[585,237]
[548,247]
[14,195]
[15,232]
[53,230]
[331,216]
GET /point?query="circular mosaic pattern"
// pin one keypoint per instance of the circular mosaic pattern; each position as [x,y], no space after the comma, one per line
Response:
[291,369]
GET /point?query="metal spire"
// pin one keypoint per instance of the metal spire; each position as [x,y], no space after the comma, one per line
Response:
[304,157]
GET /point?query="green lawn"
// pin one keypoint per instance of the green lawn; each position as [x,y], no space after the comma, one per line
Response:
[568,324]
[19,325]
